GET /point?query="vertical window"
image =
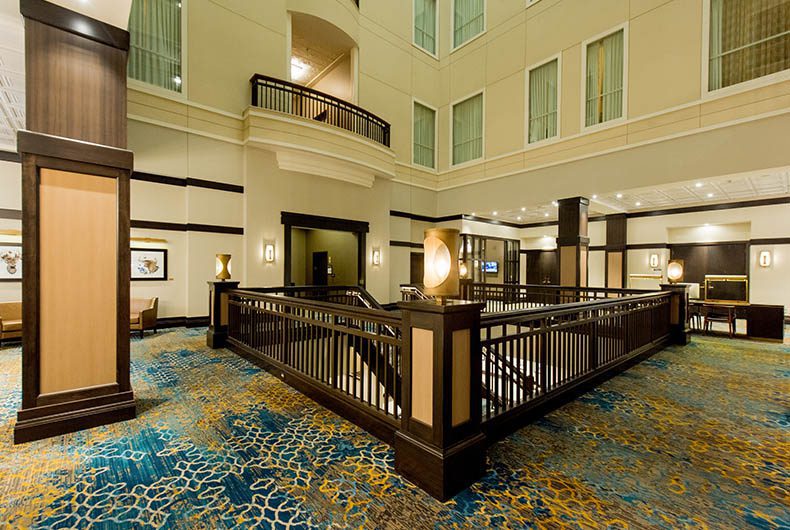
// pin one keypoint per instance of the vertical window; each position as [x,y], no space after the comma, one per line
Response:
[543,102]
[425,25]
[155,50]
[468,20]
[468,130]
[604,79]
[748,39]
[424,135]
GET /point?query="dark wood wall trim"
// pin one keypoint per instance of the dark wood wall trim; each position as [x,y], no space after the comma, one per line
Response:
[6,213]
[213,185]
[74,150]
[187,227]
[646,246]
[159,179]
[181,322]
[9,156]
[303,220]
[407,244]
[76,23]
[188,181]
[711,207]
[770,241]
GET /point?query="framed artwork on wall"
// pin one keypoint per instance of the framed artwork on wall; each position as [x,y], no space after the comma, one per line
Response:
[149,264]
[10,262]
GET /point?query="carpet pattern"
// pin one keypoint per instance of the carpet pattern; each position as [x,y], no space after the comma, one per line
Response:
[695,437]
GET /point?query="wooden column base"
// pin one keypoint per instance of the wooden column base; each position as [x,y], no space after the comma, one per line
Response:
[52,420]
[216,338]
[441,473]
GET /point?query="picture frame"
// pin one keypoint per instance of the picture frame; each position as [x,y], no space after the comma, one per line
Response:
[149,264]
[10,262]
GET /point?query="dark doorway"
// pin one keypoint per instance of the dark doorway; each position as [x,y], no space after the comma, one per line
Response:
[320,265]
[416,267]
[542,267]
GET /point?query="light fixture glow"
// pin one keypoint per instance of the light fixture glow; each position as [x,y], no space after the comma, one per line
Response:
[698,185]
[594,196]
[518,218]
[546,214]
[765,258]
[523,208]
[675,271]
[619,195]
[440,268]
[223,267]
[495,213]
[654,260]
[299,68]
[268,253]
[638,203]
[376,256]
[555,203]
[710,195]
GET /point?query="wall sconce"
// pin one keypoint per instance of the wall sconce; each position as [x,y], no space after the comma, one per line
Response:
[223,267]
[376,256]
[765,258]
[441,268]
[654,260]
[463,271]
[330,269]
[268,252]
[675,271]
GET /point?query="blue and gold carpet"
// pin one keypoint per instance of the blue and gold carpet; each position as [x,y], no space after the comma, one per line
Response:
[695,437]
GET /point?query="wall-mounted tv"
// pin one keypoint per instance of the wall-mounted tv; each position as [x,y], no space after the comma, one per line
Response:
[491,267]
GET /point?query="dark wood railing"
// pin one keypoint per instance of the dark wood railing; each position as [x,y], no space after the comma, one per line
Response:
[532,355]
[290,98]
[348,354]
[350,295]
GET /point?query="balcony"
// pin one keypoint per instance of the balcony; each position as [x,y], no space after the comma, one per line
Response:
[317,133]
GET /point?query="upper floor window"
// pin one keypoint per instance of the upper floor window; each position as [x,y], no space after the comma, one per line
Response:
[155,47]
[468,130]
[543,102]
[468,20]
[425,25]
[424,135]
[604,79]
[748,39]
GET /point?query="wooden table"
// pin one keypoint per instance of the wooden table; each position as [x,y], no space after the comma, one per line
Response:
[762,321]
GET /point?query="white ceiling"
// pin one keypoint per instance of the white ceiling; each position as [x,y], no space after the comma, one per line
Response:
[316,44]
[743,187]
[12,74]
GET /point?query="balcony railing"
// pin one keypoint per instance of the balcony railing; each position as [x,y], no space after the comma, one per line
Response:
[290,98]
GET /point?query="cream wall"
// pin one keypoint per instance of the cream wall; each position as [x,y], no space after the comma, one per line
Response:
[10,229]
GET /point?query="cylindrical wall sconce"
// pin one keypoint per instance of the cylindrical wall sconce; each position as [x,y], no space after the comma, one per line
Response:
[675,271]
[441,265]
[223,267]
[765,258]
[654,260]
[268,252]
[376,256]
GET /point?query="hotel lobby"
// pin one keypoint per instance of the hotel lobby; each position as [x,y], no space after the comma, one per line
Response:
[376,264]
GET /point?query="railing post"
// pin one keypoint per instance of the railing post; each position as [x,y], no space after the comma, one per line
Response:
[440,446]
[679,331]
[218,313]
[594,341]
[544,356]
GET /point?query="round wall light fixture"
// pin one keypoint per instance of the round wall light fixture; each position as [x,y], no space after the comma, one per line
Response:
[675,271]
[441,275]
[223,267]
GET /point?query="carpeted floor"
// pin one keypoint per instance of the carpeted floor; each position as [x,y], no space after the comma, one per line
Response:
[695,437]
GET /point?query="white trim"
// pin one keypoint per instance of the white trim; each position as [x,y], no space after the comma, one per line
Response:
[453,47]
[482,157]
[557,57]
[531,3]
[583,109]
[435,55]
[435,134]
[159,92]
[412,184]
[751,84]
[355,74]
[189,130]
[288,45]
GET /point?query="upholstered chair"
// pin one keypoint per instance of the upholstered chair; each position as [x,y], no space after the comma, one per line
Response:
[142,314]
[10,320]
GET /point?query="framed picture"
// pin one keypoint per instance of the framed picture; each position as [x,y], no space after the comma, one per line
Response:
[149,264]
[10,262]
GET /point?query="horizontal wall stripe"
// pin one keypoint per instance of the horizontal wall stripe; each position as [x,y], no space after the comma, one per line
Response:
[188,181]
[158,179]
[181,322]
[407,244]
[770,241]
[187,227]
[9,156]
[10,214]
[213,185]
[646,246]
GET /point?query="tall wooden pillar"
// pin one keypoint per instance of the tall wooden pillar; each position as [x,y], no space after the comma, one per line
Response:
[75,223]
[616,251]
[440,446]
[573,242]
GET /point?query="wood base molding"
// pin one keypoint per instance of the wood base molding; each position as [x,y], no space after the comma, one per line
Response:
[52,420]
[441,472]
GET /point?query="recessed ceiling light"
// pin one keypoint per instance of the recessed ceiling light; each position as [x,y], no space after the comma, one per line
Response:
[698,185]
[707,224]
[710,195]
[594,196]
[495,212]
[619,195]
[518,218]
[473,214]
[523,208]
[638,203]
[555,203]
[546,214]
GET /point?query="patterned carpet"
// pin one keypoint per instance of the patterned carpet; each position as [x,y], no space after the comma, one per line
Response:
[695,437]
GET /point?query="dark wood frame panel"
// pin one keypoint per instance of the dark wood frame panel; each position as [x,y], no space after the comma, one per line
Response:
[292,220]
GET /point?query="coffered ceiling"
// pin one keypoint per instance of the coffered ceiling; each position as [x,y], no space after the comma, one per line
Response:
[12,75]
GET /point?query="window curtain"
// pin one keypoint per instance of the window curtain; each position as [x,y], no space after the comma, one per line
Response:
[543,102]
[425,24]
[424,135]
[155,51]
[748,39]
[468,20]
[604,79]
[468,130]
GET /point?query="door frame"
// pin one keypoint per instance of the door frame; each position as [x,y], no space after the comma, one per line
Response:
[291,220]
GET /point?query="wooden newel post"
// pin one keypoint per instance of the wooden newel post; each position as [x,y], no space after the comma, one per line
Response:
[218,313]
[679,331]
[440,446]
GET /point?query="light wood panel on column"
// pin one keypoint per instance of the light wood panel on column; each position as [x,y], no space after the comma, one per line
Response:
[614,270]
[422,375]
[568,265]
[461,371]
[78,260]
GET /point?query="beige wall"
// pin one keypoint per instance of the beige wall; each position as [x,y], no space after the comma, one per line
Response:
[10,229]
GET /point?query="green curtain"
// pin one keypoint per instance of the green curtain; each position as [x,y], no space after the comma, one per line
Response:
[468,20]
[468,130]
[543,102]
[604,79]
[424,135]
[155,51]
[748,39]
[425,24]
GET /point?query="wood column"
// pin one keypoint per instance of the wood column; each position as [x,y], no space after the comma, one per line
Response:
[616,251]
[573,242]
[75,224]
[440,446]
[679,329]
[218,313]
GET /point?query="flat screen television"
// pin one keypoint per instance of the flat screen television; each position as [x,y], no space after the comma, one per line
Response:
[491,267]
